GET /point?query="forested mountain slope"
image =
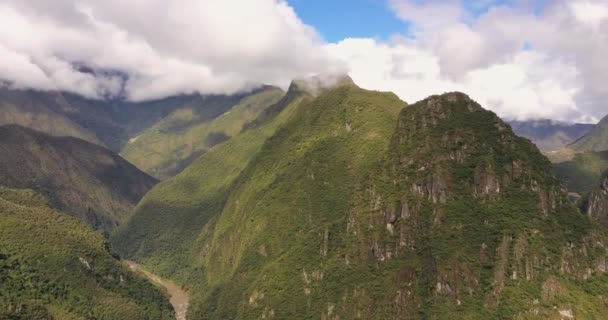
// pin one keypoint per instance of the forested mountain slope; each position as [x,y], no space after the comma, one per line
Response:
[54,267]
[168,220]
[83,179]
[360,207]
[174,142]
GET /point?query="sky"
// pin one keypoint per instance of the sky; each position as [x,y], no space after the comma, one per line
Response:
[337,20]
[523,59]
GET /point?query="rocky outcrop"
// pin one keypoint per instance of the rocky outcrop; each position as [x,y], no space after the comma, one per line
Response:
[462,184]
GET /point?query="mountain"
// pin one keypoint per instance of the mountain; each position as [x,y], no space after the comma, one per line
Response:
[549,135]
[575,149]
[356,206]
[595,140]
[171,144]
[597,202]
[580,174]
[167,221]
[47,112]
[162,136]
[83,179]
[54,267]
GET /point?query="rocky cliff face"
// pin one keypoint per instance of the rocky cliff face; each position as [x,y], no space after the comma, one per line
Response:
[475,210]
[598,201]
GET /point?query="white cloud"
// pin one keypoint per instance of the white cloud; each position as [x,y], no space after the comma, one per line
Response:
[514,59]
[428,15]
[590,13]
[517,89]
[165,46]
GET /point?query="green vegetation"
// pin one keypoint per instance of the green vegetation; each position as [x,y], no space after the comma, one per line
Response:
[29,110]
[54,267]
[581,173]
[168,220]
[292,196]
[352,205]
[482,205]
[80,178]
[169,146]
[161,136]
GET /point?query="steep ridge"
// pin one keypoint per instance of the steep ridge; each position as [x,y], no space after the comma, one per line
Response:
[550,135]
[358,207]
[166,223]
[284,212]
[83,179]
[54,267]
[198,183]
[595,140]
[171,144]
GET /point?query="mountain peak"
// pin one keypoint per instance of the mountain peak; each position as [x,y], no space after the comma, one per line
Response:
[319,83]
[458,99]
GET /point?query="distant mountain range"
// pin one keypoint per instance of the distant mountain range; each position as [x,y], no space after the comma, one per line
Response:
[161,137]
[581,162]
[549,135]
[595,140]
[164,136]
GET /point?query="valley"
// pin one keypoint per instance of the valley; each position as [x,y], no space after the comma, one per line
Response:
[178,297]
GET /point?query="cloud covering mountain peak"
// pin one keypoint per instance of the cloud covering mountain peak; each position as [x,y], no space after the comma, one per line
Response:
[521,59]
[165,47]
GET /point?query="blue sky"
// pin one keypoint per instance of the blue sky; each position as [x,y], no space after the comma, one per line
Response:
[340,19]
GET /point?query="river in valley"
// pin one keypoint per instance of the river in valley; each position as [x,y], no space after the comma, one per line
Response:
[178,297]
